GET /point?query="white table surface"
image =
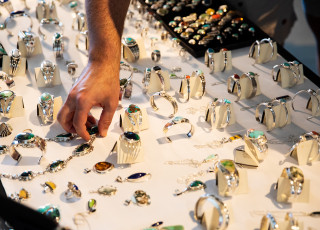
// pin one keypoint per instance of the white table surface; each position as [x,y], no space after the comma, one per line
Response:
[111,212]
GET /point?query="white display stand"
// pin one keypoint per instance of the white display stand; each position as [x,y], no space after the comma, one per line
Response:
[218,63]
[284,194]
[22,67]
[155,83]
[37,47]
[126,156]
[210,219]
[195,88]
[242,188]
[305,151]
[265,53]
[246,88]
[57,104]
[312,105]
[246,158]
[16,109]
[51,13]
[280,116]
[40,80]
[126,125]
[221,116]
[287,79]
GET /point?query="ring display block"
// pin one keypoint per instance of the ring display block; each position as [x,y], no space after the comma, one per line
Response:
[284,193]
[155,83]
[219,60]
[243,157]
[211,218]
[265,53]
[37,47]
[306,151]
[312,105]
[222,185]
[51,11]
[280,115]
[246,88]
[40,80]
[126,155]
[57,104]
[221,116]
[287,79]
[126,125]
[17,108]
[22,67]
[195,88]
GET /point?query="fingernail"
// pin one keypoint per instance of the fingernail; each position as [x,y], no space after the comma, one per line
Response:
[104,132]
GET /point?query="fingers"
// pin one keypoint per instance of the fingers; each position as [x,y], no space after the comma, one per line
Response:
[80,119]
[91,121]
[65,117]
[105,121]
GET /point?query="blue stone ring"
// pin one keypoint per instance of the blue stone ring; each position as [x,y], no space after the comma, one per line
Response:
[73,191]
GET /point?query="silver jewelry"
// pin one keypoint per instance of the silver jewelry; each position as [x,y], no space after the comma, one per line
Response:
[5,129]
[296,177]
[80,22]
[58,45]
[313,95]
[234,88]
[130,45]
[194,163]
[85,34]
[7,5]
[133,112]
[73,191]
[28,40]
[268,222]
[176,121]
[193,186]
[140,198]
[158,72]
[72,67]
[146,80]
[214,104]
[286,65]
[258,139]
[125,83]
[15,14]
[136,177]
[49,186]
[268,106]
[48,69]
[156,55]
[107,190]
[231,175]
[252,48]
[6,99]
[168,98]
[200,74]
[15,59]
[225,61]
[46,101]
[49,21]
[131,141]
[7,79]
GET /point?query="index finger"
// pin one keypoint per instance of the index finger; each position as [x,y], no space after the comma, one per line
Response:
[80,120]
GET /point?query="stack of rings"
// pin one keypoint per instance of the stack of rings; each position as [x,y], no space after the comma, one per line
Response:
[258,43]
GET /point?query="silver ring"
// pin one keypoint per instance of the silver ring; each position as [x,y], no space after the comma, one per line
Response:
[268,222]
[208,59]
[46,101]
[312,93]
[146,80]
[156,55]
[200,74]
[86,39]
[235,79]
[28,40]
[73,191]
[130,45]
[133,112]
[15,59]
[225,61]
[296,177]
[282,103]
[216,102]
[6,99]
[258,139]
[175,121]
[252,77]
[231,175]
[47,69]
[268,106]
[49,21]
[7,4]
[158,70]
[15,14]
[80,22]
[58,45]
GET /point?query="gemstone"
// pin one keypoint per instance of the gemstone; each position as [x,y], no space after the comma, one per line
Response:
[65,135]
[45,97]
[137,177]
[52,186]
[237,20]
[315,133]
[130,41]
[93,130]
[27,175]
[235,137]
[197,37]
[177,29]
[184,25]
[251,73]
[175,227]
[57,36]
[177,18]
[83,148]
[103,166]
[251,29]
[211,157]
[25,136]
[210,11]
[56,166]
[17,12]
[73,4]
[50,211]
[3,148]
[223,50]
[236,76]
[220,12]
[133,108]
[162,11]
[286,65]
[201,31]
[197,184]
[228,164]
[187,77]
[194,25]
[23,194]
[244,26]
[123,81]
[132,136]
[206,27]
[216,16]
[156,68]
[177,119]
[6,94]
[295,62]
[256,134]
[92,203]
[203,16]
[157,224]
[107,190]
[235,35]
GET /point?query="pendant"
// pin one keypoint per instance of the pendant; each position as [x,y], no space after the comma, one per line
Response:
[48,186]
[193,186]
[92,203]
[63,137]
[93,130]
[140,198]
[3,149]
[82,149]
[22,195]
[136,177]
[102,167]
[50,211]
[106,190]
[56,166]
[26,176]
[5,129]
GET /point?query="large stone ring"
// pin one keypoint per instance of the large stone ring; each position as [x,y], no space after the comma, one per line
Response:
[15,59]
[80,22]
[222,221]
[15,14]
[286,65]
[156,55]
[132,142]
[175,121]
[168,98]
[256,140]
[296,177]
[58,46]
[49,21]
[85,34]
[72,192]
[47,69]
[232,82]
[7,79]
[130,47]
[6,99]
[313,95]
[252,48]
[216,102]
[231,175]
[28,40]
[27,139]
[269,106]
[46,105]
[146,80]
[133,112]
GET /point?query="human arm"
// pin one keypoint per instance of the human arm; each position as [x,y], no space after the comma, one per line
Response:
[98,84]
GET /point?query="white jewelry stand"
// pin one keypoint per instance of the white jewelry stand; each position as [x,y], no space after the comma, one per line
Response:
[245,157]
[195,88]
[313,106]
[280,116]
[305,151]
[284,193]
[57,104]
[265,53]
[210,219]
[286,77]
[221,116]
[17,108]
[50,12]
[126,125]
[155,84]
[40,80]
[246,87]
[218,63]
[223,186]
[125,155]
[37,47]
[22,67]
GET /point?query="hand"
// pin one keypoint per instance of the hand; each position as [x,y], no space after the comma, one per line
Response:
[98,85]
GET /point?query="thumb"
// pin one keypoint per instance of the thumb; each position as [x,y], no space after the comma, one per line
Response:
[105,121]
